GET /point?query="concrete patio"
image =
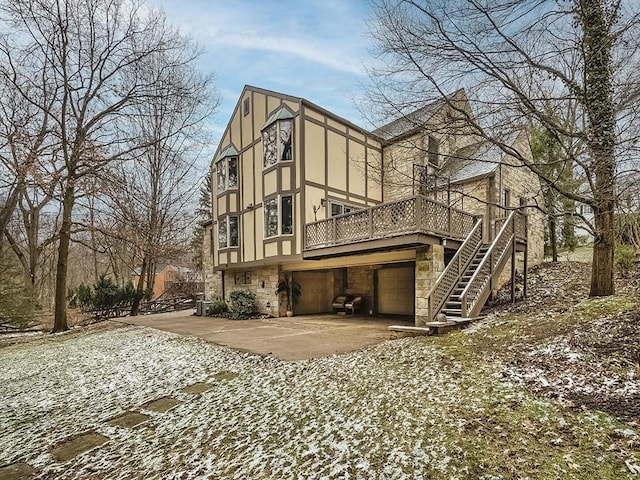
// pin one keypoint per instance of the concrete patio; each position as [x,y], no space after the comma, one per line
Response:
[296,338]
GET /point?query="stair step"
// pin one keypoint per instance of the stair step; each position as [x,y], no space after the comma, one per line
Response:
[409,329]
[454,312]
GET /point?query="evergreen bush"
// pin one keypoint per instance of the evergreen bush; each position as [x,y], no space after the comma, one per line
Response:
[242,304]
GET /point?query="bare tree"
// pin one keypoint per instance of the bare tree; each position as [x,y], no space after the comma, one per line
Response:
[203,213]
[153,194]
[91,54]
[523,63]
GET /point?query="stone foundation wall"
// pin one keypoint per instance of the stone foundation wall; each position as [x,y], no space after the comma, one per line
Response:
[212,279]
[262,283]
[429,265]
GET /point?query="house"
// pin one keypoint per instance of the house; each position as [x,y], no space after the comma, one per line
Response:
[300,191]
[172,280]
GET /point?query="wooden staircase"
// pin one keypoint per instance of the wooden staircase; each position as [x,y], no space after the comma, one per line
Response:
[463,288]
[453,304]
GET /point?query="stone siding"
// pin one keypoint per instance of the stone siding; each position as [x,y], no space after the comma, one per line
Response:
[262,283]
[429,266]
[212,279]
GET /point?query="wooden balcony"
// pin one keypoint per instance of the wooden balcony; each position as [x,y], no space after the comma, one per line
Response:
[403,223]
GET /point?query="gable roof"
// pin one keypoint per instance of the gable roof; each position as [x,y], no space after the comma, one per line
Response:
[281,114]
[278,115]
[474,161]
[415,120]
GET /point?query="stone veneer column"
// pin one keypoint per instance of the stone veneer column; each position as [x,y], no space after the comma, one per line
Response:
[429,265]
[212,280]
[266,280]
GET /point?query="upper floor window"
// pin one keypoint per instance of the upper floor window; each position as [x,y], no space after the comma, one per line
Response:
[433,151]
[506,198]
[340,208]
[227,172]
[423,181]
[277,138]
[278,216]
[585,209]
[228,231]
[246,106]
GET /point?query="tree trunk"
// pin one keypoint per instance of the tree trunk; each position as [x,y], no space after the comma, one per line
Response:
[602,280]
[60,317]
[597,51]
[553,239]
[135,306]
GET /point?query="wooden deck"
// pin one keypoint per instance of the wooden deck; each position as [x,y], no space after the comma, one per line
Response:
[412,221]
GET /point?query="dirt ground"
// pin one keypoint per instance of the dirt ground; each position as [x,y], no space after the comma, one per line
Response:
[576,351]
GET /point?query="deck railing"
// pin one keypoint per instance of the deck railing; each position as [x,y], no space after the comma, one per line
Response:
[475,293]
[451,275]
[416,214]
[520,220]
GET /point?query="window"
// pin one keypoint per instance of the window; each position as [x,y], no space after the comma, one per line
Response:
[276,142]
[339,208]
[227,172]
[242,278]
[523,201]
[423,181]
[433,151]
[278,216]
[585,209]
[506,198]
[246,104]
[228,231]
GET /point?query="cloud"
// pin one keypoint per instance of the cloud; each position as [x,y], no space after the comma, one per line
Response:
[312,32]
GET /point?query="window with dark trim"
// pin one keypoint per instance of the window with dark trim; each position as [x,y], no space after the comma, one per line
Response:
[433,151]
[246,106]
[242,278]
[227,173]
[228,231]
[423,181]
[278,216]
[277,142]
[506,198]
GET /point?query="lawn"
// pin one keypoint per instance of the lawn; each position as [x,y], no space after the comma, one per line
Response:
[450,407]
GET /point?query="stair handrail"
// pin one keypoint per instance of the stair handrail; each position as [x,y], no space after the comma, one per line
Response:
[473,241]
[507,230]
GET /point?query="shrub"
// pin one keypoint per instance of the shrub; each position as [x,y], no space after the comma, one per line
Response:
[80,297]
[242,304]
[217,307]
[625,258]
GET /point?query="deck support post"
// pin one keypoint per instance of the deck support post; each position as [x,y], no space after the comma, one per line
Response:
[429,266]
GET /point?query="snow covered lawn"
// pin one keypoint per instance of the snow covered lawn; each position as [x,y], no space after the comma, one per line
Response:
[404,409]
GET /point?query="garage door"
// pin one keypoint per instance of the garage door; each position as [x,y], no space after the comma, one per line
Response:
[396,289]
[317,291]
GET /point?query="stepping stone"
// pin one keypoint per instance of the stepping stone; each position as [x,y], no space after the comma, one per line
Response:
[128,419]
[161,405]
[17,471]
[197,388]
[81,444]
[225,375]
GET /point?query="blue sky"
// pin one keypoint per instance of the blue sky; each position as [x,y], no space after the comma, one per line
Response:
[314,49]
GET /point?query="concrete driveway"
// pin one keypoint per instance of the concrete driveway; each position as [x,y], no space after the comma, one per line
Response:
[296,338]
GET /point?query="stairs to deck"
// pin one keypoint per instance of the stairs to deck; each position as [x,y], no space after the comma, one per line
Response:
[464,286]
[453,304]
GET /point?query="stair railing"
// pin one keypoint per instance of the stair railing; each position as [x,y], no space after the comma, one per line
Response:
[488,270]
[450,277]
